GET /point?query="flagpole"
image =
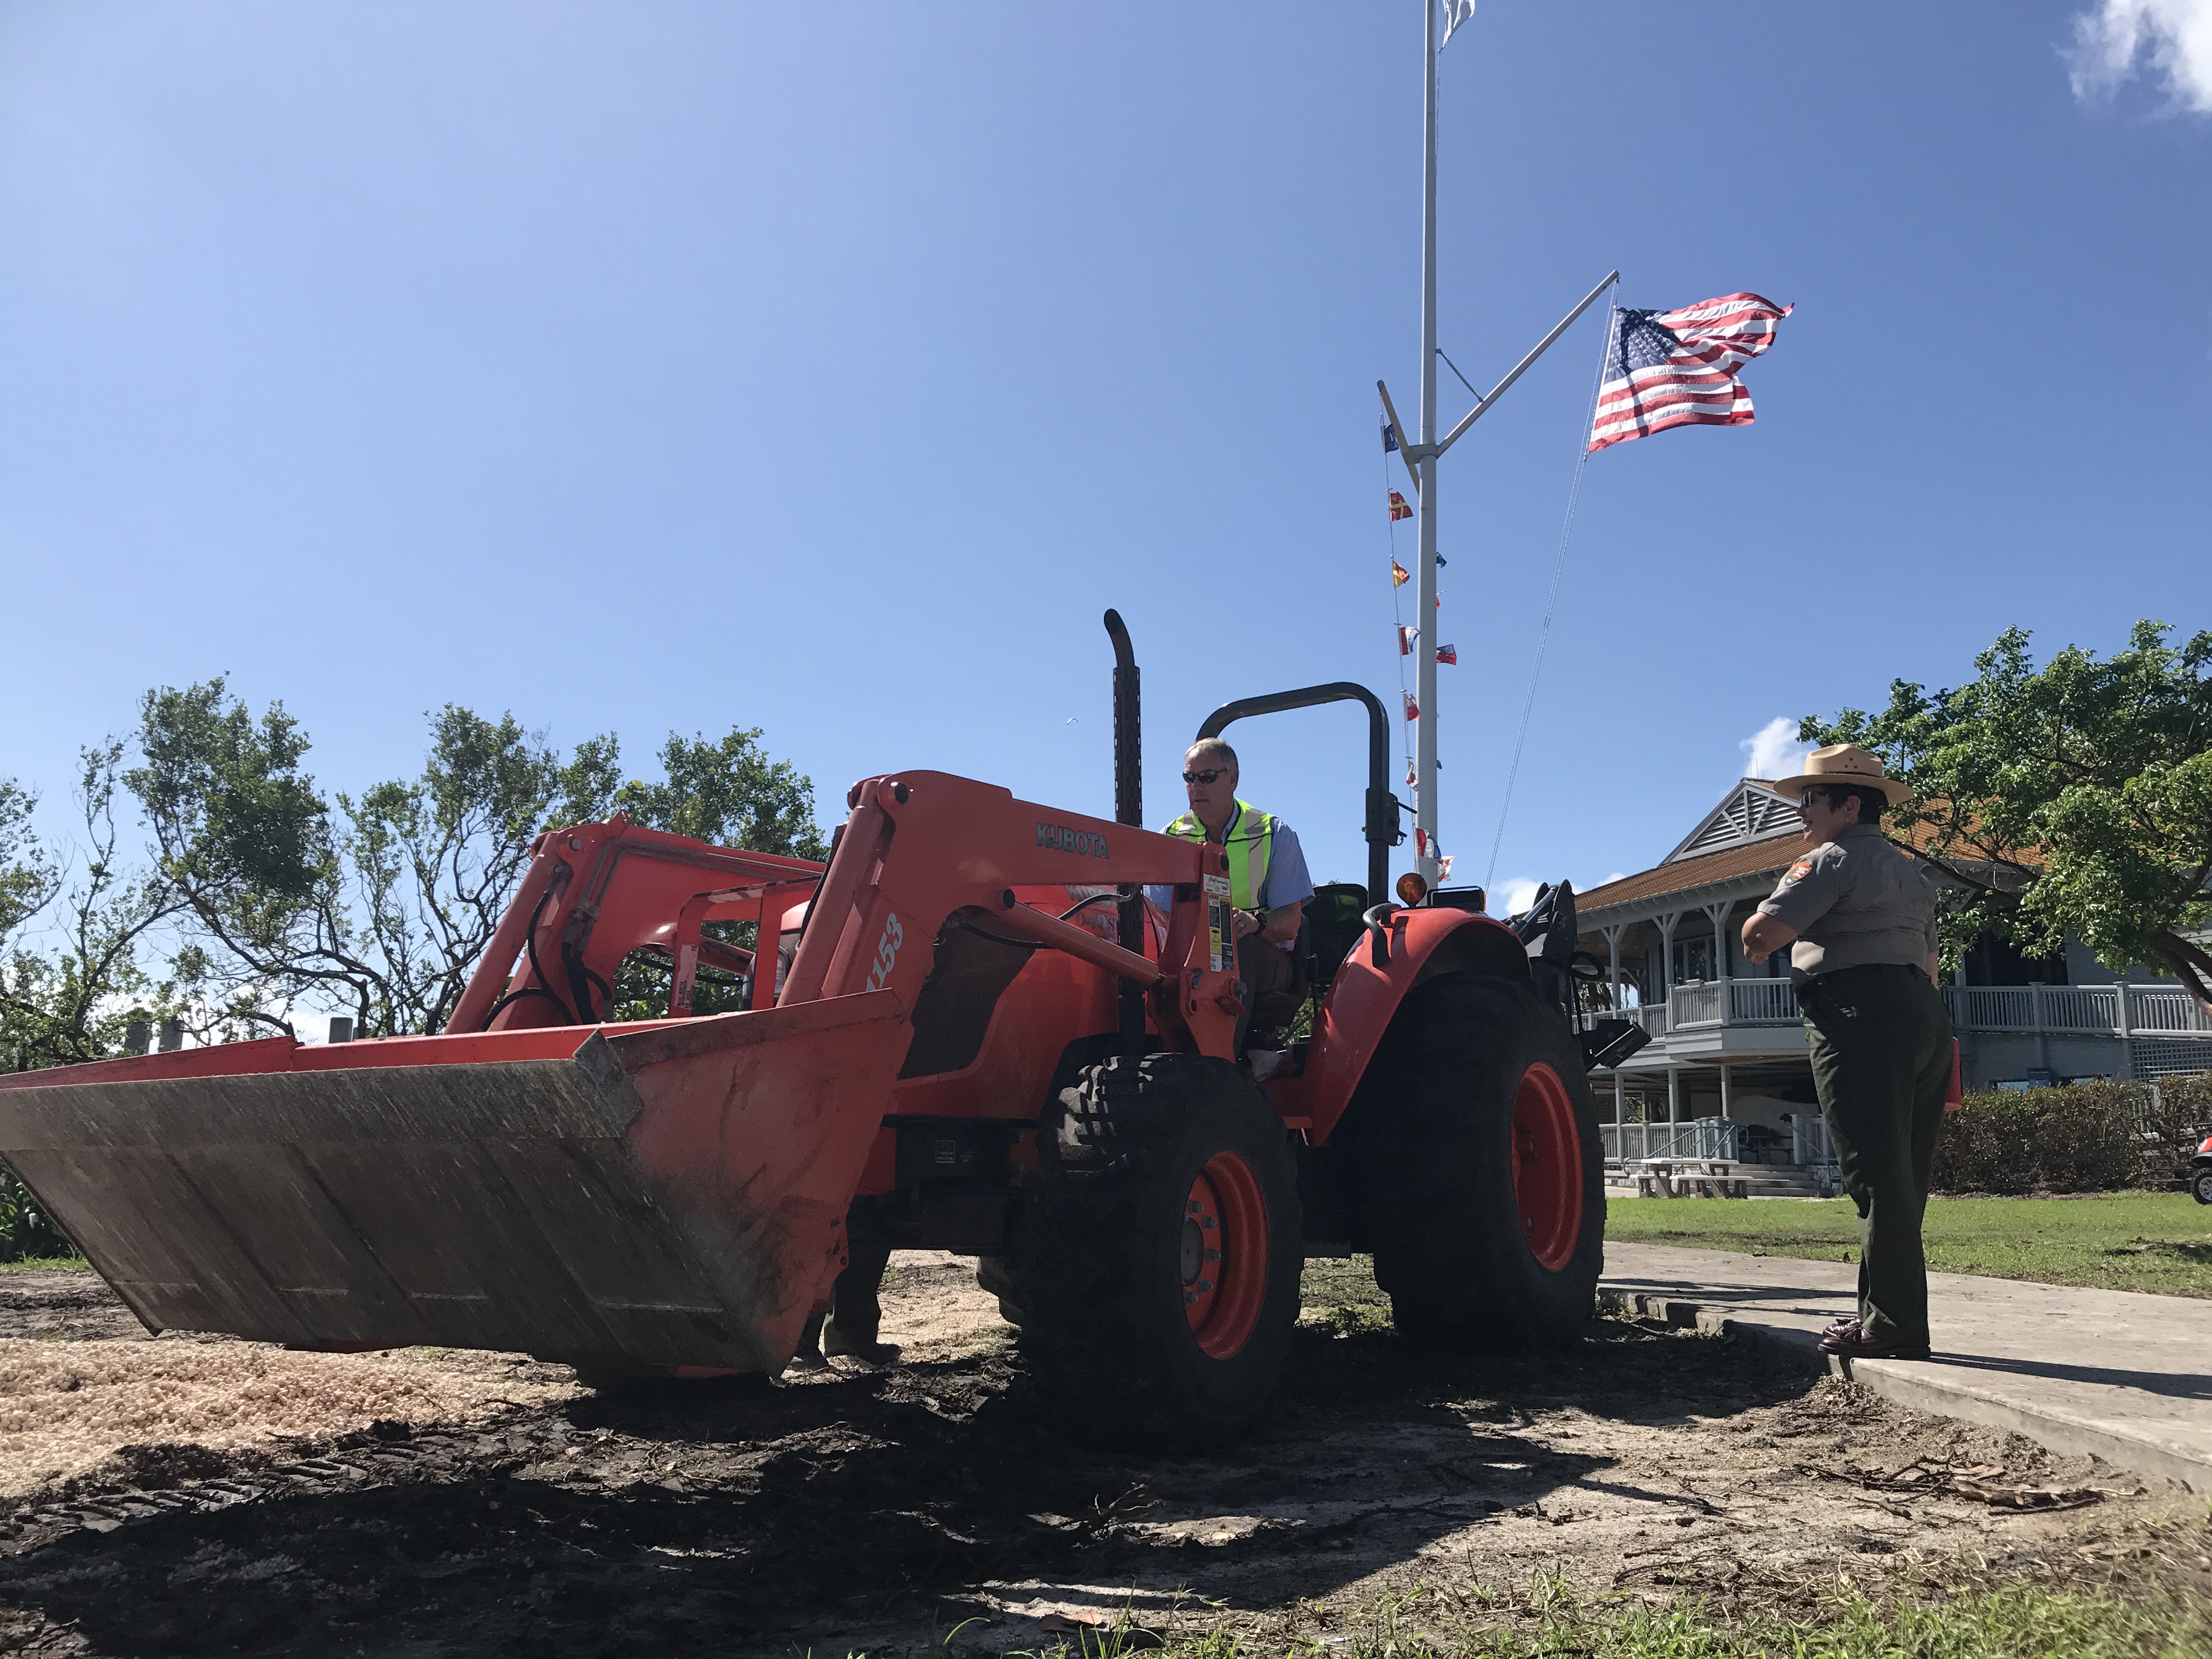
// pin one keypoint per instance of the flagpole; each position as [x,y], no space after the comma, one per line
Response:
[1424,726]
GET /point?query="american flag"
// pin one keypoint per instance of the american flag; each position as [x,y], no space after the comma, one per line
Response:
[1667,369]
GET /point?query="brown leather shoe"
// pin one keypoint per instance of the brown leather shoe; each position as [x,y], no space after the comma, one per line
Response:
[1849,1339]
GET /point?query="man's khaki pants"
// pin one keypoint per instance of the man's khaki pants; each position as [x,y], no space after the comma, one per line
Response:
[1261,967]
[1881,1041]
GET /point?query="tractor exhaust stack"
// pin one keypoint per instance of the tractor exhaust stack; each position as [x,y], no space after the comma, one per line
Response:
[1128,806]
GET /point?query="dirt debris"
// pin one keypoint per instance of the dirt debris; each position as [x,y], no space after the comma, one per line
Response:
[68,1408]
[873,1509]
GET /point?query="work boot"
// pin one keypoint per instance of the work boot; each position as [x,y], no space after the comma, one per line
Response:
[808,1355]
[857,1343]
[1852,1340]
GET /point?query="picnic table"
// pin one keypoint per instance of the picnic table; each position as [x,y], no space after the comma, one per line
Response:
[1688,1177]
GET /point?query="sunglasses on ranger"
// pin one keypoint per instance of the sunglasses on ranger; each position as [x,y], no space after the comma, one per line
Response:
[1206,777]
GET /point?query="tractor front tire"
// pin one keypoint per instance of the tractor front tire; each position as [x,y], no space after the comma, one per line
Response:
[1155,1279]
[1480,1171]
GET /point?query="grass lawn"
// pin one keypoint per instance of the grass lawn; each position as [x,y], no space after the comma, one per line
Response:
[2159,1242]
[1547,1619]
[35,1263]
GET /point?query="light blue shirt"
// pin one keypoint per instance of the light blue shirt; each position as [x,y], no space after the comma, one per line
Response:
[1286,881]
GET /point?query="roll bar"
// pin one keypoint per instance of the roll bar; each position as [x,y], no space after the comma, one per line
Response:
[1382,807]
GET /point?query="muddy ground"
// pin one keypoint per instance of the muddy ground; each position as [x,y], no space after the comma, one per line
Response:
[430,1503]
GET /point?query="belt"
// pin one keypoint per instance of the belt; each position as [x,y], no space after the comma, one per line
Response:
[1912,968]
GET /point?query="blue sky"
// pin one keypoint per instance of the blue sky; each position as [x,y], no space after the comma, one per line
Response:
[830,369]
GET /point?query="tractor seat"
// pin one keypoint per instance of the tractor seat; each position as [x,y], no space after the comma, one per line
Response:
[1328,929]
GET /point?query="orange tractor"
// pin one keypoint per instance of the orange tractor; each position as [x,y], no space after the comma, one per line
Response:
[978,1029]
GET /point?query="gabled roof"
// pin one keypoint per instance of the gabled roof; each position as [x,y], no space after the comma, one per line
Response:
[1751,812]
[1769,854]
[1753,832]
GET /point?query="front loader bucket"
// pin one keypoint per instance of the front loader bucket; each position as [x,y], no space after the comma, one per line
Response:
[657,1195]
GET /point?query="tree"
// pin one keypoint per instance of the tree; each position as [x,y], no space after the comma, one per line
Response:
[731,793]
[71,980]
[382,903]
[2073,798]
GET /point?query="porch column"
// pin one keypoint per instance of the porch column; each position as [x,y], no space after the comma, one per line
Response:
[1673,1094]
[1665,924]
[1724,1092]
[1620,1102]
[1717,915]
[2124,1022]
[1612,930]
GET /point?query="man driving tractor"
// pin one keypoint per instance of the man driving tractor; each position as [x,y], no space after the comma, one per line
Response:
[1268,881]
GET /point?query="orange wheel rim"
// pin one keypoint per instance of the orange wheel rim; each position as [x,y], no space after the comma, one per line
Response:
[1547,1167]
[1224,1255]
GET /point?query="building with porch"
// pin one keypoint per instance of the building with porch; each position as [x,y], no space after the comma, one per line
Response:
[1727,1045]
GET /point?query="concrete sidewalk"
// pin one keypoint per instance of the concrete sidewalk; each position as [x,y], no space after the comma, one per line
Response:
[2112,1374]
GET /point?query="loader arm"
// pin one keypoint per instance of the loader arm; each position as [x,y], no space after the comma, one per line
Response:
[923,848]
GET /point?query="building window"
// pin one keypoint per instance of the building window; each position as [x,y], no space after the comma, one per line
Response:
[1693,959]
[1992,960]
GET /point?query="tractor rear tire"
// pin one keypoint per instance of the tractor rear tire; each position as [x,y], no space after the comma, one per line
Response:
[1155,1279]
[1480,1170]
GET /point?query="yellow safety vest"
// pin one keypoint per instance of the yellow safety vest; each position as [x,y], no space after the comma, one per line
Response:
[1251,836]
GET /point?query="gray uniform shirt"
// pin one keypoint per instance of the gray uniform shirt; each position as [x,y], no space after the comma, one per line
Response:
[1856,900]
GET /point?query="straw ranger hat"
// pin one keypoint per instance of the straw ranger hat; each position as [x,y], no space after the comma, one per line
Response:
[1841,762]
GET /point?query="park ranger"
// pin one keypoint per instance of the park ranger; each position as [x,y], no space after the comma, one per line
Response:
[1859,919]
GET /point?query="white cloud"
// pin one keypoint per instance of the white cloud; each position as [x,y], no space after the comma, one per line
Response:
[1511,894]
[1774,750]
[2120,38]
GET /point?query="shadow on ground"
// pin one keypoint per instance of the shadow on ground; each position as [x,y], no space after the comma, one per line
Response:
[754,1518]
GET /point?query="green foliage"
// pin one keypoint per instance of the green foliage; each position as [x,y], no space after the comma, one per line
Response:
[2080,1138]
[382,903]
[27,1231]
[731,793]
[70,976]
[2073,798]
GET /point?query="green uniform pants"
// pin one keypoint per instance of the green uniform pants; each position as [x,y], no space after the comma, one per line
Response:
[1880,1039]
[856,1310]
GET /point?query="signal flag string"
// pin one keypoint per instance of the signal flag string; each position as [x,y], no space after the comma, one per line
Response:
[1399,577]
[1550,602]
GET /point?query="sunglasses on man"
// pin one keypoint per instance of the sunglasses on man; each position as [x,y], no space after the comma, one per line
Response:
[1206,777]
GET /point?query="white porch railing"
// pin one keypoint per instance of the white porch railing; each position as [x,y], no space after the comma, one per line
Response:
[2165,1010]
[1695,1004]
[1762,1002]
[1704,1137]
[1651,1016]
[1747,1002]
[2118,1011]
